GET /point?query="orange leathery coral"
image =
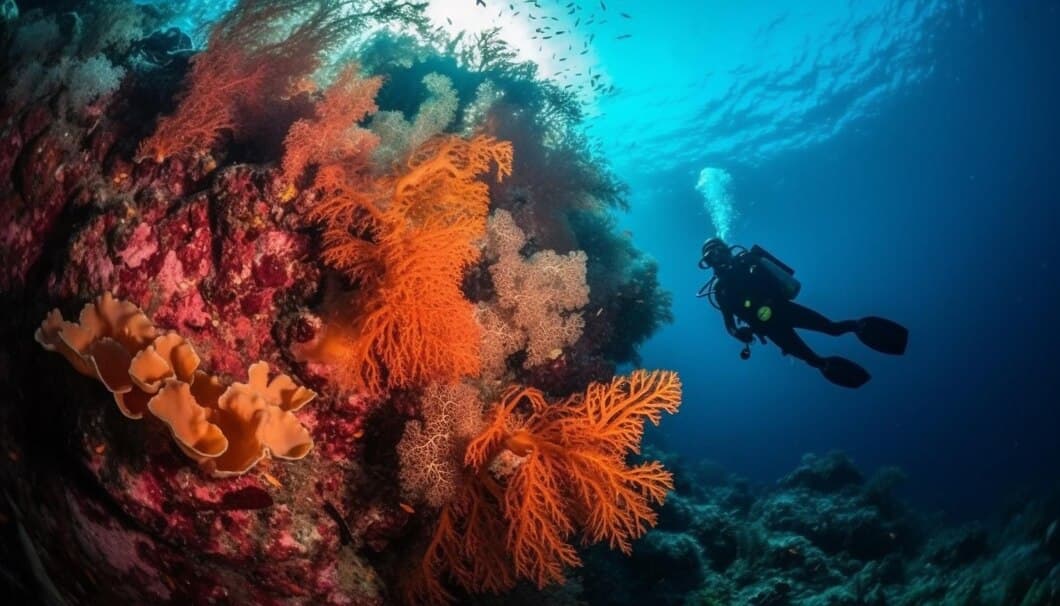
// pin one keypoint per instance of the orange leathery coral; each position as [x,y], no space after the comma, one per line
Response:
[281,391]
[102,344]
[188,421]
[225,428]
[167,357]
[255,430]
[256,418]
[568,475]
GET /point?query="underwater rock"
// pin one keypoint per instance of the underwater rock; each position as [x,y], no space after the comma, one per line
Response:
[1052,539]
[958,547]
[677,553]
[829,473]
[820,538]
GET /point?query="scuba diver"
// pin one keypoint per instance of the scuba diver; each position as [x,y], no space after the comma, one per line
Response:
[759,290]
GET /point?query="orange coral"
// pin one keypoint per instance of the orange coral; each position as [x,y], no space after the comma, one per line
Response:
[407,240]
[542,475]
[332,137]
[226,429]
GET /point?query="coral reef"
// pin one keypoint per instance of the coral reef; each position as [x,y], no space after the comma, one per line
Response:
[286,214]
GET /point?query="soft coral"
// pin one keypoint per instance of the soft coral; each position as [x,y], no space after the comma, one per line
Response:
[540,476]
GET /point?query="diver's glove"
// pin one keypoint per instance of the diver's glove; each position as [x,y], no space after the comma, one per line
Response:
[744,334]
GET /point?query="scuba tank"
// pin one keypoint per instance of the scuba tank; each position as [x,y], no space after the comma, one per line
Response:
[784,275]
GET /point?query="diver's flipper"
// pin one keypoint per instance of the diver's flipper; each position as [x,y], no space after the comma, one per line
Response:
[883,335]
[843,372]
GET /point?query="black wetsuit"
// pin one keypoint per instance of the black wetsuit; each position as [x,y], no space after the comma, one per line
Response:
[746,290]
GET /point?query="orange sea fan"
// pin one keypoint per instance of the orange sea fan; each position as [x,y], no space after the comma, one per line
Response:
[539,474]
[407,239]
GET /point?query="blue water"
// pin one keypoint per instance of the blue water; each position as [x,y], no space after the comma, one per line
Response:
[902,157]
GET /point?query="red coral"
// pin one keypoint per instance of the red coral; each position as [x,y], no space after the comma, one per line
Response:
[243,69]
[220,77]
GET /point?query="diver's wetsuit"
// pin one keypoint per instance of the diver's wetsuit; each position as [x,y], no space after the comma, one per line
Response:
[746,290]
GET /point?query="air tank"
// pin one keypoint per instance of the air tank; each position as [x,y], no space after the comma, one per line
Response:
[784,275]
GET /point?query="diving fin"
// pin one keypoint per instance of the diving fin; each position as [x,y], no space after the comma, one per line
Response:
[844,373]
[883,335]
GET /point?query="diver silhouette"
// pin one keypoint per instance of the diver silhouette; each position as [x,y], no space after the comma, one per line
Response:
[756,288]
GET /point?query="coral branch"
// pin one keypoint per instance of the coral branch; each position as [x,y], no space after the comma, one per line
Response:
[544,473]
[408,245]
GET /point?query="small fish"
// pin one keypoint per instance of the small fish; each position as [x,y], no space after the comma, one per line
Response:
[449,20]
[626,15]
[623,36]
[344,529]
[602,5]
[480,2]
[546,37]
[599,311]
[271,479]
[406,508]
